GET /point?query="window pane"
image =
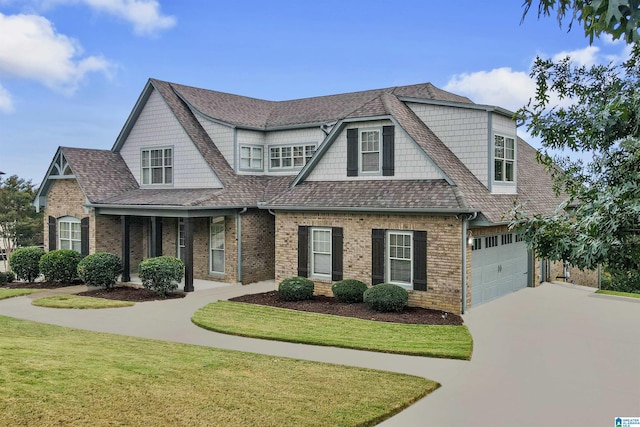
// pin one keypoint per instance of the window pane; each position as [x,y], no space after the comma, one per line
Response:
[245,163]
[275,163]
[145,176]
[168,176]
[400,271]
[167,157]
[322,264]
[498,170]
[156,176]
[217,261]
[499,141]
[145,159]
[245,152]
[286,151]
[508,171]
[370,162]
[286,162]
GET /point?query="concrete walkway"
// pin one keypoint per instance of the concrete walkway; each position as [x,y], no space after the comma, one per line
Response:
[553,355]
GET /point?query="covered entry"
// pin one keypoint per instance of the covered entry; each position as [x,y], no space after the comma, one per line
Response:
[499,265]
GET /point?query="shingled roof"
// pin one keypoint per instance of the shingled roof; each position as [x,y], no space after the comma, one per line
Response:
[105,179]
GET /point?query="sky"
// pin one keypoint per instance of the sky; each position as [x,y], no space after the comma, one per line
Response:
[72,70]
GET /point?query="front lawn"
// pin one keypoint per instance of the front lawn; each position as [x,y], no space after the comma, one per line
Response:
[618,294]
[50,375]
[75,301]
[279,324]
[10,293]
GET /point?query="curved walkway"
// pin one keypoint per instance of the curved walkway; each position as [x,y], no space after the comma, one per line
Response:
[553,355]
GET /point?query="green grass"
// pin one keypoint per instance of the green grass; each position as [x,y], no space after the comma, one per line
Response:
[251,320]
[10,293]
[618,294]
[50,375]
[75,301]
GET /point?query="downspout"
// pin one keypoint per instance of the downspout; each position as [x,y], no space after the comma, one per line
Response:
[465,226]
[239,239]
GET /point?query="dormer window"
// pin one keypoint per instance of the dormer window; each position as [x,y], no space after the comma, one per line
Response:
[290,156]
[504,158]
[370,152]
[157,166]
[250,158]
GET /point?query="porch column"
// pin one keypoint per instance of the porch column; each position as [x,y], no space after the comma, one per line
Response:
[156,236]
[126,248]
[188,254]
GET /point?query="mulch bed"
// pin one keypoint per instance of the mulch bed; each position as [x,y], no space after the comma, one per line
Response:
[37,285]
[330,305]
[128,293]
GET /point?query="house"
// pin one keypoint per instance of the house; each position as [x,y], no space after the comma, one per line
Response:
[406,185]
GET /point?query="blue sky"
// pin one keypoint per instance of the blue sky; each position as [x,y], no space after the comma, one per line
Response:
[72,70]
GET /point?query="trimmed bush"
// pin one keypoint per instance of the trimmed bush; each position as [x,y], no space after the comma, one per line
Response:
[621,280]
[10,276]
[349,290]
[3,278]
[295,289]
[386,297]
[100,269]
[25,262]
[60,265]
[161,274]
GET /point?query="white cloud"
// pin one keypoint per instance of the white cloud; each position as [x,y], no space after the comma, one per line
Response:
[586,57]
[30,48]
[503,87]
[145,15]
[6,105]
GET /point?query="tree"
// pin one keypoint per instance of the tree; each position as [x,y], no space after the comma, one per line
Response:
[20,225]
[618,18]
[598,113]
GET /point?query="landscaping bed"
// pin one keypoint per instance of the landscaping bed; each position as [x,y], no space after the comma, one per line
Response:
[329,305]
[129,293]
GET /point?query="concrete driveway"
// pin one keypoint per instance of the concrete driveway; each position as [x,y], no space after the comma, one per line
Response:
[553,355]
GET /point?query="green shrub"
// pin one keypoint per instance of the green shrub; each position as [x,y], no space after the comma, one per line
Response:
[295,289]
[25,263]
[3,278]
[621,281]
[60,265]
[10,276]
[161,274]
[386,297]
[349,290]
[100,269]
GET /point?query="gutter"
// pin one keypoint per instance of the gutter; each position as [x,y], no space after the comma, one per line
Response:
[365,209]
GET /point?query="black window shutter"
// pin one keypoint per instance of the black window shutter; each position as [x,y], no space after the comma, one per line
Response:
[352,152]
[336,253]
[303,251]
[84,236]
[388,150]
[377,256]
[420,260]
[53,235]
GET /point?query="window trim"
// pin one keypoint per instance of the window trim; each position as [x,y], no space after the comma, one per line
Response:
[504,159]
[69,220]
[251,158]
[219,220]
[164,166]
[360,152]
[387,256]
[279,147]
[312,252]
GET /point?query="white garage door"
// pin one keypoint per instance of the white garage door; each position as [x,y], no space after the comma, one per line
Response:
[499,265]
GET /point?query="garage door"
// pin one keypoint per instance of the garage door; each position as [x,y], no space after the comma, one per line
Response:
[499,265]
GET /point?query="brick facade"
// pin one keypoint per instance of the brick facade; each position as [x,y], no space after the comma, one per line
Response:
[444,251]
[576,276]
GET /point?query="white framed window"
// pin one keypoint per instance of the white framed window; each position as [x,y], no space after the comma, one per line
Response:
[157,166]
[251,158]
[400,257]
[69,233]
[370,157]
[180,245]
[504,158]
[477,244]
[216,245]
[321,252]
[290,157]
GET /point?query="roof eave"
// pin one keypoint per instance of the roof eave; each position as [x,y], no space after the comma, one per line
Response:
[483,107]
[133,117]
[440,211]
